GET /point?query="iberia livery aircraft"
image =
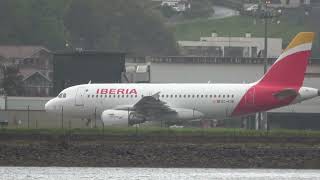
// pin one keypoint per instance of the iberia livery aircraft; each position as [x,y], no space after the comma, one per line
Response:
[123,104]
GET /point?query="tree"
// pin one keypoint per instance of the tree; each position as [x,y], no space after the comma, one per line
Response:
[35,22]
[167,11]
[123,26]
[12,81]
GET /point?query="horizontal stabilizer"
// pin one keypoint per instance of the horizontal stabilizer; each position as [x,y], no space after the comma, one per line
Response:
[283,94]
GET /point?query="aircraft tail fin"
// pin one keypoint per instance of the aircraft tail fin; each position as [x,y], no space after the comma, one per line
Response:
[290,67]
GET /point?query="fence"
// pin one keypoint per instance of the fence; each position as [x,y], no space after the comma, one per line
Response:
[31,117]
[207,60]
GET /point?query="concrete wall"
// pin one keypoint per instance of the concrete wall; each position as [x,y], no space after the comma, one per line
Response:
[41,119]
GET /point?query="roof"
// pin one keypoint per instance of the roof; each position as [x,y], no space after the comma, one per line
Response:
[35,73]
[88,52]
[20,51]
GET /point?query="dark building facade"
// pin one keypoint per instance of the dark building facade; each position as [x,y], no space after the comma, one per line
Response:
[74,68]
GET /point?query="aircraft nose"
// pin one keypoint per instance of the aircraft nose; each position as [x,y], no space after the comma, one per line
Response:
[48,106]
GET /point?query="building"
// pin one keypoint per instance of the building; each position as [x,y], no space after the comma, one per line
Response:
[34,63]
[82,67]
[37,84]
[246,46]
[177,5]
[283,4]
[294,3]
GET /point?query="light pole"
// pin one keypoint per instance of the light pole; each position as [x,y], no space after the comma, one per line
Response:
[265,67]
[266,16]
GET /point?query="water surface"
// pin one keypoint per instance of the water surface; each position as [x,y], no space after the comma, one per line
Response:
[61,173]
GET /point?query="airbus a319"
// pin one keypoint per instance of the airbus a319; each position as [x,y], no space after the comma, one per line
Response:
[123,104]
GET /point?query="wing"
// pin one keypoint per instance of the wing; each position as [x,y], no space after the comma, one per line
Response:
[152,105]
[148,105]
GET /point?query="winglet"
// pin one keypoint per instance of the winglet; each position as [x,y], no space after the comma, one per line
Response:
[156,96]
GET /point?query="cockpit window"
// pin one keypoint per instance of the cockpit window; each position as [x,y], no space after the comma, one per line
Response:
[62,95]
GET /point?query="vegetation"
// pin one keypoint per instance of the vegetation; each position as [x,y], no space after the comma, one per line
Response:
[120,25]
[184,132]
[234,26]
[12,81]
[292,22]
[200,8]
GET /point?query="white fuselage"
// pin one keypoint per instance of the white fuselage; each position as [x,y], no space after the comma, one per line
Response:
[213,100]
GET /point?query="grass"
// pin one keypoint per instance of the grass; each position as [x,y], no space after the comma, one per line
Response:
[184,132]
[238,26]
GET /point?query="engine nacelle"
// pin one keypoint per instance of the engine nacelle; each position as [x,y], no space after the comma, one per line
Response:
[120,118]
[184,114]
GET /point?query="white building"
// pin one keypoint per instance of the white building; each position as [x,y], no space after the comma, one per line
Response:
[177,5]
[283,4]
[246,46]
[294,3]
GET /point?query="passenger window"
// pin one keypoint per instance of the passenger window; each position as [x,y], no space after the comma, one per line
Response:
[184,96]
[101,96]
[110,96]
[176,96]
[223,96]
[88,96]
[206,96]
[201,96]
[180,96]
[210,96]
[198,96]
[192,96]
[228,96]
[171,96]
[122,96]
[92,96]
[97,96]
[215,96]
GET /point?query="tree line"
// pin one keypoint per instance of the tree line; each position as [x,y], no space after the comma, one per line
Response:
[107,25]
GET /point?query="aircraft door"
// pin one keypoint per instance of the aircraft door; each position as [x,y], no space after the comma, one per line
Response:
[250,97]
[79,101]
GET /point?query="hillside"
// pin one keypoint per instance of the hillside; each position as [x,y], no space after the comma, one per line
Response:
[107,25]
[292,22]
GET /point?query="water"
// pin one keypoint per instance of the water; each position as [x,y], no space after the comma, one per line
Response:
[61,173]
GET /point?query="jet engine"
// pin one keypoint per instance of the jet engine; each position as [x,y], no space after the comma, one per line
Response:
[181,114]
[121,118]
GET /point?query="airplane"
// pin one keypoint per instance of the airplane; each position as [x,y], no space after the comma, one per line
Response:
[130,104]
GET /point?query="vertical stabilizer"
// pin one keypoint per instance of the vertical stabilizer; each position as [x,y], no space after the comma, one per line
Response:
[290,67]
